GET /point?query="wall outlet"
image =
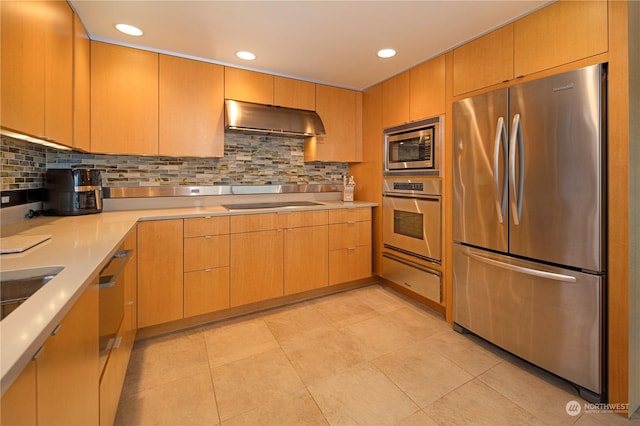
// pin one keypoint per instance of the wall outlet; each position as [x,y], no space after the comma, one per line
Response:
[5,199]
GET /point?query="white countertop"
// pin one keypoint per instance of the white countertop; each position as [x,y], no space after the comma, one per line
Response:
[83,245]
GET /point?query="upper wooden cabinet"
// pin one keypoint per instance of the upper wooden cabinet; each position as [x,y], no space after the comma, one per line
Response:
[415,94]
[248,86]
[124,100]
[260,88]
[81,87]
[395,100]
[191,102]
[341,113]
[291,93]
[483,62]
[563,32]
[37,69]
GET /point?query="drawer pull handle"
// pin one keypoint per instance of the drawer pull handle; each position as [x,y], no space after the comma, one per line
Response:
[407,284]
[56,330]
[38,353]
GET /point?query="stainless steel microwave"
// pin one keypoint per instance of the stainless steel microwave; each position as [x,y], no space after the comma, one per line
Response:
[413,149]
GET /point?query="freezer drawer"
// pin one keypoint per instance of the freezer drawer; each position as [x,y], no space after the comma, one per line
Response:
[417,278]
[549,316]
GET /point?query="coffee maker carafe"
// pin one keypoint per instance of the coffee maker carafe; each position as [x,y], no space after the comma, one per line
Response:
[73,192]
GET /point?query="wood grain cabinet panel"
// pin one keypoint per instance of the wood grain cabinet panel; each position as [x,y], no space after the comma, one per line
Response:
[294,93]
[160,273]
[306,258]
[563,32]
[427,95]
[191,102]
[344,235]
[483,62]
[124,100]
[349,264]
[18,404]
[37,69]
[349,215]
[395,100]
[257,266]
[81,87]
[206,291]
[202,226]
[341,114]
[211,251]
[248,86]
[68,367]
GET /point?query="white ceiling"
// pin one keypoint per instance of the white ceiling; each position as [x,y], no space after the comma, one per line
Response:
[330,42]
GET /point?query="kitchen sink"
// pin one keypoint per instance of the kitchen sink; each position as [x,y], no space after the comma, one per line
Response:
[18,285]
[271,205]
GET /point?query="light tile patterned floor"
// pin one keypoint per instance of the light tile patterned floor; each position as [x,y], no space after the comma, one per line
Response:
[362,357]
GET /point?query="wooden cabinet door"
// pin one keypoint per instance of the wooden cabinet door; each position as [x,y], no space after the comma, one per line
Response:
[248,86]
[81,87]
[191,101]
[306,259]
[256,266]
[124,100]
[395,100]
[341,113]
[58,84]
[68,367]
[18,404]
[291,93]
[206,291]
[483,62]
[563,32]
[160,273]
[349,264]
[23,50]
[427,97]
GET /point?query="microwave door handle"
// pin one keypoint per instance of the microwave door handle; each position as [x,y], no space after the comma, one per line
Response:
[516,194]
[500,196]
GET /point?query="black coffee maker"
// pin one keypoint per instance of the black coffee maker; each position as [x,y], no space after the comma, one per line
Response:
[72,192]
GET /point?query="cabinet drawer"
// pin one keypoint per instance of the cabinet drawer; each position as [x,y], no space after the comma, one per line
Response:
[206,252]
[346,235]
[201,226]
[416,278]
[300,219]
[349,264]
[206,291]
[349,215]
[256,222]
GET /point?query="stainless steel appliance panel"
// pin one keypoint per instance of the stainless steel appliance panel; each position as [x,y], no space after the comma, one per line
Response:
[479,154]
[549,316]
[417,278]
[556,155]
[411,216]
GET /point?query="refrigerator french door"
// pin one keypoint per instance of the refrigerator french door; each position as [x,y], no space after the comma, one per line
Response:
[529,184]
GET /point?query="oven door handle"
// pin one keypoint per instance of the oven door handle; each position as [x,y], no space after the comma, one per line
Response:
[413,197]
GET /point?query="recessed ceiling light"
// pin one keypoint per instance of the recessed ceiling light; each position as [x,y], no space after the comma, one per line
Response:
[247,56]
[129,29]
[386,53]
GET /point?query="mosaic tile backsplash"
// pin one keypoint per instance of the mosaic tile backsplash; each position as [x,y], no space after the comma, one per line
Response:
[248,159]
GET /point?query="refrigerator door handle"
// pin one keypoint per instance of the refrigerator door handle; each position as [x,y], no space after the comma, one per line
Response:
[516,195]
[500,197]
[522,269]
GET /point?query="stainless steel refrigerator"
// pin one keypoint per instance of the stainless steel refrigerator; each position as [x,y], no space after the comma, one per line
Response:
[528,223]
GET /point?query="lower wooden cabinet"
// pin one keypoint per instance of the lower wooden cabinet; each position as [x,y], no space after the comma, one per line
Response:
[349,245]
[114,372]
[68,367]
[18,404]
[206,291]
[257,268]
[160,259]
[306,258]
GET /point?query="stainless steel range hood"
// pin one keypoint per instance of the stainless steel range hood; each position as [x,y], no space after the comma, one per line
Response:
[246,117]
